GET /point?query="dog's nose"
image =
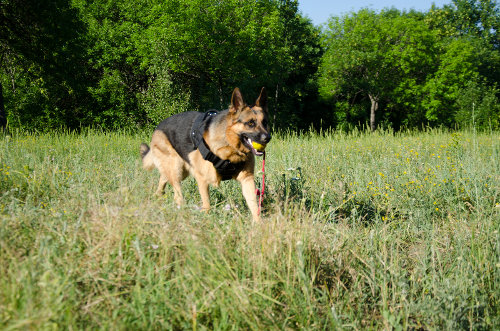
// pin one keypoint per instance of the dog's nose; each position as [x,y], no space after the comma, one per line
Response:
[266,137]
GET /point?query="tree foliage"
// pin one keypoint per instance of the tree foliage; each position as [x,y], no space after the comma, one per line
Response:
[41,58]
[375,56]
[115,64]
[478,18]
[139,60]
[410,69]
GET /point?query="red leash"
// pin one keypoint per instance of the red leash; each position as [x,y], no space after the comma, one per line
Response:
[260,193]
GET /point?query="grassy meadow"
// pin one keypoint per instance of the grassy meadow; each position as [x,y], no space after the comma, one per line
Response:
[360,231]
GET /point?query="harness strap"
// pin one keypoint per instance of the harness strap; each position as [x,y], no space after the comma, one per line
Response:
[225,168]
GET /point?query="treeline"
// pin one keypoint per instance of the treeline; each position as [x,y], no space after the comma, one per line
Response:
[411,69]
[127,64]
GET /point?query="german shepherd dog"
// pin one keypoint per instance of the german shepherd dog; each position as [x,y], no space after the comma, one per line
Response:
[211,146]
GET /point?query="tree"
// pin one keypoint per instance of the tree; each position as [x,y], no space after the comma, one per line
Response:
[40,42]
[296,89]
[192,53]
[468,65]
[371,55]
[125,64]
[478,106]
[115,32]
[457,65]
[478,18]
[212,46]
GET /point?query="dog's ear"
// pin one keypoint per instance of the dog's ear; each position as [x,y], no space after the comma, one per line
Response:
[262,99]
[237,102]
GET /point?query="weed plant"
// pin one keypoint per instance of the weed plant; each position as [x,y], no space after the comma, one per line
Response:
[360,231]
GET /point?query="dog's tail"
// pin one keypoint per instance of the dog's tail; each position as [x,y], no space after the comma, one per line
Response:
[147,157]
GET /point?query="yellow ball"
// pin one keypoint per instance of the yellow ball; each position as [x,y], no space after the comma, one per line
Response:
[258,146]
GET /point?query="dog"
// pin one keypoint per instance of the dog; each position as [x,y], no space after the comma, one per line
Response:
[212,147]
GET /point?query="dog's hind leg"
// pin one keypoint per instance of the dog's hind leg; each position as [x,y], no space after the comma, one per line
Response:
[176,184]
[205,174]
[171,170]
[161,185]
[170,165]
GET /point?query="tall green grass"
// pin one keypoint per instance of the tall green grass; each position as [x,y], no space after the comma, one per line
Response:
[360,231]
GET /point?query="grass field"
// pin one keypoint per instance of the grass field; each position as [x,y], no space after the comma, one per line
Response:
[360,231]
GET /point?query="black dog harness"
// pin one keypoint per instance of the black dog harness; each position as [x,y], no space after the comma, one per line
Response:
[225,168]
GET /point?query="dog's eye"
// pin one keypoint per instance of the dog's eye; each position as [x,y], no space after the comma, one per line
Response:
[251,123]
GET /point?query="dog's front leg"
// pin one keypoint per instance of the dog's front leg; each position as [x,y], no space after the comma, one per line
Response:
[204,193]
[248,189]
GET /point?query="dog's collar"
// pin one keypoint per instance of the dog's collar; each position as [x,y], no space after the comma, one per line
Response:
[225,168]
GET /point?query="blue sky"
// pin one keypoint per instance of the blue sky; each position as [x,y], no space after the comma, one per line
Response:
[320,10]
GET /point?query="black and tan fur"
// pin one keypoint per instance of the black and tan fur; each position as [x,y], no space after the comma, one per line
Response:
[228,136]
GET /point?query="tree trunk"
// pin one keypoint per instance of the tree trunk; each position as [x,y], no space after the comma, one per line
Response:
[3,115]
[373,110]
